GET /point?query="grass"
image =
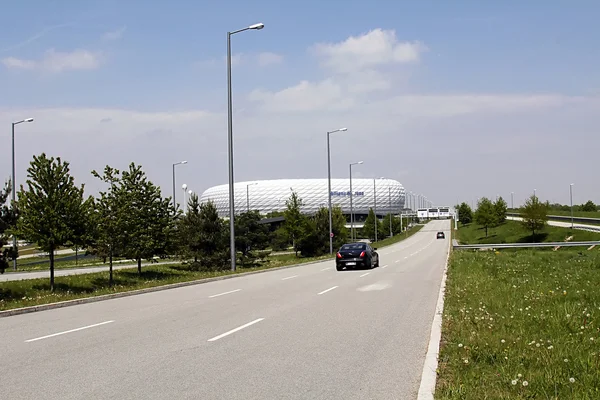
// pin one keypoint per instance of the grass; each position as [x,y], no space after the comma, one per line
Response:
[397,238]
[513,232]
[521,325]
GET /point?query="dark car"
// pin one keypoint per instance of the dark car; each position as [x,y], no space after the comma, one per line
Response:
[440,235]
[356,255]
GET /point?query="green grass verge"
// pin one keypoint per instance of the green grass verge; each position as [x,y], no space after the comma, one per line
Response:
[30,292]
[397,238]
[520,325]
[514,232]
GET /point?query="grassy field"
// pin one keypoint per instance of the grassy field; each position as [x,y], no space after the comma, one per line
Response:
[521,325]
[513,232]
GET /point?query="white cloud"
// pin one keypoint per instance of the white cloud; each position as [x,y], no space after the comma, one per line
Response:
[55,62]
[372,49]
[268,58]
[114,35]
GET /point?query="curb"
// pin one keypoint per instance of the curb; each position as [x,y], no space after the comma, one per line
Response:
[93,299]
[429,374]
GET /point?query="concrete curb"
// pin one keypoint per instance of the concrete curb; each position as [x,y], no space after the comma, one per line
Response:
[93,299]
[429,374]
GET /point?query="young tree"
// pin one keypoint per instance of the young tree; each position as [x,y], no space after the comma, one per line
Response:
[465,214]
[280,239]
[294,219]
[148,218]
[485,214]
[309,243]
[190,231]
[338,222]
[214,239]
[369,226]
[8,220]
[589,206]
[384,232]
[250,234]
[500,209]
[52,208]
[534,214]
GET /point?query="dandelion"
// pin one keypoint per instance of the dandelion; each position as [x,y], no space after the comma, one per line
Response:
[466,361]
[568,315]
[519,376]
[514,382]
[550,347]
[572,380]
[460,345]
[566,360]
[503,341]
[525,383]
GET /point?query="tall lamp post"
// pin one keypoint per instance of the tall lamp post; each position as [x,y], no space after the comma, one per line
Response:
[329,186]
[390,200]
[375,205]
[248,195]
[14,184]
[512,202]
[230,142]
[184,188]
[174,165]
[571,195]
[351,195]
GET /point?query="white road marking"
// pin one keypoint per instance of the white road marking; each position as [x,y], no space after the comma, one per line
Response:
[289,277]
[239,328]
[385,266]
[397,261]
[69,331]
[224,293]
[365,274]
[331,288]
[404,258]
[325,269]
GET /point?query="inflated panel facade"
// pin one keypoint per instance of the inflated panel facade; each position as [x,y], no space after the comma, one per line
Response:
[270,195]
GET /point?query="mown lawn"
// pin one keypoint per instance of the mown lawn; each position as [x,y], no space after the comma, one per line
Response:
[521,325]
[514,232]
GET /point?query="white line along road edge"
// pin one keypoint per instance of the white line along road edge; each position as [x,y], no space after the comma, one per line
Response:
[69,331]
[224,293]
[239,328]
[429,374]
[327,290]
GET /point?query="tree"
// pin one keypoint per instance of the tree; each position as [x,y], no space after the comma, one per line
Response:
[213,243]
[148,218]
[338,222]
[369,226]
[189,231]
[534,214]
[500,209]
[589,206]
[384,232]
[280,239]
[309,243]
[485,214]
[52,208]
[294,219]
[465,214]
[8,220]
[250,234]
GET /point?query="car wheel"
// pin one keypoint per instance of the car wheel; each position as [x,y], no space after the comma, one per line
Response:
[338,267]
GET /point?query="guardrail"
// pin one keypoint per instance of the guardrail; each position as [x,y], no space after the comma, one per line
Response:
[566,218]
[457,246]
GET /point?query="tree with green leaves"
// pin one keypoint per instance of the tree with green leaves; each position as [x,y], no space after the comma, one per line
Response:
[589,206]
[485,214]
[280,239]
[385,227]
[250,234]
[108,219]
[294,219]
[189,231]
[500,210]
[8,221]
[310,241]
[52,208]
[148,218]
[213,243]
[465,214]
[534,214]
[369,226]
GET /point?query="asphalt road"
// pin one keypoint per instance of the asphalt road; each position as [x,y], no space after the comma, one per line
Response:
[308,332]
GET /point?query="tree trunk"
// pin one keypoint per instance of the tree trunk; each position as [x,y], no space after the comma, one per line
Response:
[110,268]
[139,260]
[52,269]
[76,255]
[486,231]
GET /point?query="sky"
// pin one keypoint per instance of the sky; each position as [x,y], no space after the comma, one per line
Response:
[455,100]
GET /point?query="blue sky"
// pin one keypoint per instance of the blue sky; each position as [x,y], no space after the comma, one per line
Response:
[154,64]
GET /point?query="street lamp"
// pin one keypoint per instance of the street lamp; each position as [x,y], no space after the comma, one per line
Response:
[14,184]
[248,195]
[329,185]
[390,200]
[351,195]
[184,187]
[512,203]
[230,142]
[571,195]
[174,165]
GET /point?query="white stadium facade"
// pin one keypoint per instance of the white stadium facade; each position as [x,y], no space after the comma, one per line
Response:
[269,196]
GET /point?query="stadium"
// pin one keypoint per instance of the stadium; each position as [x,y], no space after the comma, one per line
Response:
[268,196]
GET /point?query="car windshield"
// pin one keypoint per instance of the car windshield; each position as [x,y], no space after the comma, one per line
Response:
[354,246]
